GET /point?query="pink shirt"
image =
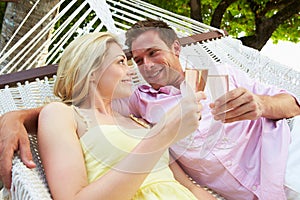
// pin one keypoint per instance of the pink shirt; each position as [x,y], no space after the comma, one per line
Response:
[254,165]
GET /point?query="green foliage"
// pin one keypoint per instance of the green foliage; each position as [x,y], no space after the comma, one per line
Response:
[289,31]
[208,6]
[239,21]
[180,7]
[240,18]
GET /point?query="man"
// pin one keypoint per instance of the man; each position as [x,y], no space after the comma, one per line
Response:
[252,168]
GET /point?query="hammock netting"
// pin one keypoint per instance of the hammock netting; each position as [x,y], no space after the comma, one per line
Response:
[116,17]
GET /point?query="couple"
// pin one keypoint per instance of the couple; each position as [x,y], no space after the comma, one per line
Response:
[90,151]
[252,169]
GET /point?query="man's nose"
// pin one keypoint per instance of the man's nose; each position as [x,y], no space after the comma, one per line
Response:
[148,63]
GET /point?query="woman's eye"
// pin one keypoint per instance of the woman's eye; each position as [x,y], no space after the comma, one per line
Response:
[122,62]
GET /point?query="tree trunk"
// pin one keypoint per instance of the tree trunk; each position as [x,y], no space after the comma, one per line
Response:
[14,15]
[219,12]
[195,6]
[266,26]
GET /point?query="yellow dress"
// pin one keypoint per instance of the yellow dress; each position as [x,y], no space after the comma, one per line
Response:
[105,145]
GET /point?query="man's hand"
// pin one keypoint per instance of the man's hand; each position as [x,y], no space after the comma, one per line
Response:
[13,137]
[238,104]
[241,104]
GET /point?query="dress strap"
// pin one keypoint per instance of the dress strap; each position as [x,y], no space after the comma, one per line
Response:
[81,119]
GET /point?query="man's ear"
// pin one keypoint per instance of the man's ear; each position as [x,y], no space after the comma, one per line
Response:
[177,47]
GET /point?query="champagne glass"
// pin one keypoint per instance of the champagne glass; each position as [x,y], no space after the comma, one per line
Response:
[195,77]
[218,85]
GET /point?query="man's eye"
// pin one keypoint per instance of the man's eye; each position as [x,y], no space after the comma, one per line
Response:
[153,52]
[138,61]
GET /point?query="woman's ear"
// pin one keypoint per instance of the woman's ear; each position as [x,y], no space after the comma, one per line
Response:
[93,77]
[177,47]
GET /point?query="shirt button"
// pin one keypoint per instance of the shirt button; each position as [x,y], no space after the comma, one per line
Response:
[228,163]
[254,187]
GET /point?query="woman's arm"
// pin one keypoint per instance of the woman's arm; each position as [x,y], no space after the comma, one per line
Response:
[183,179]
[63,161]
[14,127]
[64,165]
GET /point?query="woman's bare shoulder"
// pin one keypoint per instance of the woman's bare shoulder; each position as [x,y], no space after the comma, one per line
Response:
[55,109]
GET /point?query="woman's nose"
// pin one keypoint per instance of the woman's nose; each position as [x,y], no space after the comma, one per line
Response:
[131,71]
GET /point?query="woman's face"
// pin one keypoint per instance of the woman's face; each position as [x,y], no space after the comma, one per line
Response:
[114,80]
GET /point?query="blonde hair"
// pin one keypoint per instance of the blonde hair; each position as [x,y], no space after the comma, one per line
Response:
[80,59]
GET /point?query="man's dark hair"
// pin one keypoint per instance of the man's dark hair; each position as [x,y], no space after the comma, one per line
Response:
[166,33]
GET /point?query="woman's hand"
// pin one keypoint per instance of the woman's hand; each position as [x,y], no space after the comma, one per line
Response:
[183,119]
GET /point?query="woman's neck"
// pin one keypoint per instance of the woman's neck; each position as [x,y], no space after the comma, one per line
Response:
[101,105]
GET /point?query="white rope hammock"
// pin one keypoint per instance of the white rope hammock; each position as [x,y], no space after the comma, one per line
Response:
[107,15]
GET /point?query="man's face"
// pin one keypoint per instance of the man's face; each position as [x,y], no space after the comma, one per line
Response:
[158,64]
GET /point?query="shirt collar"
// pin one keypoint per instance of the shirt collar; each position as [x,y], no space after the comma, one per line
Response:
[170,90]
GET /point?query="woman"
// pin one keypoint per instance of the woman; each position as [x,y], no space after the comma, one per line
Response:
[89,151]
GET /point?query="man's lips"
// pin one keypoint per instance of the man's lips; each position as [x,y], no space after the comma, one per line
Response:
[155,74]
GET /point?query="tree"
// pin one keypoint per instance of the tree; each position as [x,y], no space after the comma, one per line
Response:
[15,13]
[254,22]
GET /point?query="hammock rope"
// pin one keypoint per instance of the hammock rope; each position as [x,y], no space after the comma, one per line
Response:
[19,27]
[108,15]
[26,36]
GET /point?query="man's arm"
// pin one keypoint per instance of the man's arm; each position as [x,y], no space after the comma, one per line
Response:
[279,106]
[14,127]
[241,104]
